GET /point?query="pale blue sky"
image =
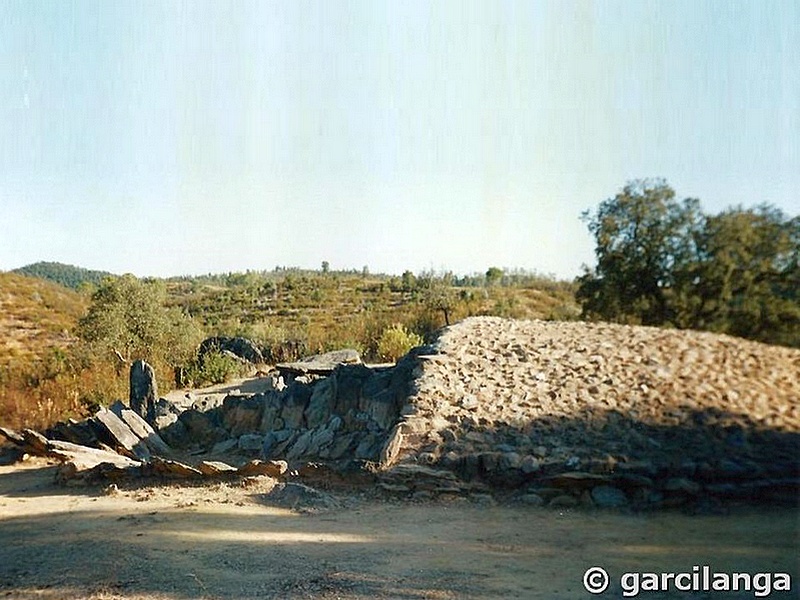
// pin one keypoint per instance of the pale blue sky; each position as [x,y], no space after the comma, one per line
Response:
[165,138]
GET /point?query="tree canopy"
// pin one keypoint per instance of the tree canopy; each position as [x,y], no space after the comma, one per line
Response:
[128,317]
[661,261]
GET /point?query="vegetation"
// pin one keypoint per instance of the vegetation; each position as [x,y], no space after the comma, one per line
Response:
[72,350]
[396,341]
[128,318]
[211,368]
[66,275]
[36,322]
[661,261]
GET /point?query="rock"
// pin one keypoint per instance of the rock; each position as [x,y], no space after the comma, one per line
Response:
[540,451]
[297,496]
[113,431]
[391,448]
[271,419]
[173,468]
[682,485]
[470,466]
[530,464]
[606,496]
[342,445]
[421,478]
[175,435]
[382,409]
[14,436]
[140,428]
[143,390]
[563,501]
[300,446]
[77,432]
[320,404]
[225,446]
[273,440]
[509,461]
[295,399]
[369,447]
[320,364]
[208,402]
[84,458]
[200,428]
[251,442]
[350,380]
[469,402]
[272,468]
[320,441]
[240,347]
[242,414]
[632,481]
[379,382]
[578,481]
[532,500]
[165,414]
[213,467]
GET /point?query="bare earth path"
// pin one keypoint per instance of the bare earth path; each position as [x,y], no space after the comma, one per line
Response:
[222,542]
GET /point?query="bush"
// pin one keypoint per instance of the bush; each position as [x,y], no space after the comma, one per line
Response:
[396,341]
[214,367]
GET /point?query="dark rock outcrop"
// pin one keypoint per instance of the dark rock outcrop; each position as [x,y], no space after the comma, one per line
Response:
[143,390]
[240,347]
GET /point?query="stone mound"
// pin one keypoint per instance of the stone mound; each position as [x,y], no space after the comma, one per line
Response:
[575,406]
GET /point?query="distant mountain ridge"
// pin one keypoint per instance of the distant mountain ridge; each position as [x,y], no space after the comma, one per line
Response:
[67,275]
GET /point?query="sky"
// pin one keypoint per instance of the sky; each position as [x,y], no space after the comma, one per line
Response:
[171,138]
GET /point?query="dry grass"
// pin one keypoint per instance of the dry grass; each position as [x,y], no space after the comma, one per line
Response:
[35,317]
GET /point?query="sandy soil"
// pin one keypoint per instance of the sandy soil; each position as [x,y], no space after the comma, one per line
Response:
[223,541]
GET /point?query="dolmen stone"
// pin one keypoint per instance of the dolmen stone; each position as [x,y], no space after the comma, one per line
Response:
[143,390]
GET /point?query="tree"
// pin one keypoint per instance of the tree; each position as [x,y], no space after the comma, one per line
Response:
[662,262]
[747,278]
[326,266]
[128,318]
[409,281]
[493,276]
[438,294]
[644,241]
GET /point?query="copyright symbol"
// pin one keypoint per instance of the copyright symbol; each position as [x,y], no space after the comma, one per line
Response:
[595,580]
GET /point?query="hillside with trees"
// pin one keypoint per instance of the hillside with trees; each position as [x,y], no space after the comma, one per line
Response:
[66,275]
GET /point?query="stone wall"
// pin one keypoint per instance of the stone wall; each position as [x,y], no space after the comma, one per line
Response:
[349,415]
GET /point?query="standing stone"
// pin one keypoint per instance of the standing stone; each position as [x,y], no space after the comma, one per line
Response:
[143,390]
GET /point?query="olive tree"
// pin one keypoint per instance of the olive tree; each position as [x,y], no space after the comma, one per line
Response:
[128,318]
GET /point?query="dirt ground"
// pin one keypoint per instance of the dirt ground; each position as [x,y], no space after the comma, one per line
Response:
[223,541]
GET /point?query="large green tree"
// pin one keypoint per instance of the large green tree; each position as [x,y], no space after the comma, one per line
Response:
[128,318]
[661,261]
[747,279]
[644,238]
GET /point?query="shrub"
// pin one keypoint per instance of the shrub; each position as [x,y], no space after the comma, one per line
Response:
[214,367]
[396,341]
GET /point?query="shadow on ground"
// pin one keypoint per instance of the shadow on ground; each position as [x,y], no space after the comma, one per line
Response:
[125,549]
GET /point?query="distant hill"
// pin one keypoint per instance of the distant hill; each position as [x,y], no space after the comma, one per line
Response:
[66,275]
[35,316]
